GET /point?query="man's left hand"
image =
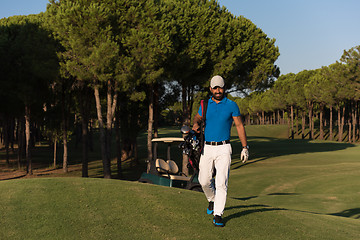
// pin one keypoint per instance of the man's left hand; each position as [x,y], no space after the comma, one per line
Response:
[244,155]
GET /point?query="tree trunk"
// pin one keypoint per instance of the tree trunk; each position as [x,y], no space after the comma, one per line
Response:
[27,141]
[339,125]
[7,131]
[297,121]
[186,118]
[288,132]
[111,106]
[357,119]
[84,112]
[330,123]
[283,117]
[65,141]
[311,132]
[292,121]
[64,131]
[105,159]
[91,139]
[136,157]
[150,160]
[353,110]
[20,139]
[321,137]
[156,109]
[118,142]
[85,146]
[341,120]
[55,152]
[349,122]
[190,102]
[349,130]
[274,118]
[303,122]
[12,135]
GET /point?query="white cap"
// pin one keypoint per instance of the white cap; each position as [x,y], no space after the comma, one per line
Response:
[217,81]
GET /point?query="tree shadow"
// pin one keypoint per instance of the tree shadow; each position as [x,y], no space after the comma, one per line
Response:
[257,208]
[245,198]
[270,194]
[263,148]
[349,213]
[283,194]
[12,178]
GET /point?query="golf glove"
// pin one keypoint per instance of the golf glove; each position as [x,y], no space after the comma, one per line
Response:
[244,155]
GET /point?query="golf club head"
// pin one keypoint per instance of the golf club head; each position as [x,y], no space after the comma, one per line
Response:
[185,129]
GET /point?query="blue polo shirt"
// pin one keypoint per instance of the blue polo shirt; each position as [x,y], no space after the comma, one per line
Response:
[219,119]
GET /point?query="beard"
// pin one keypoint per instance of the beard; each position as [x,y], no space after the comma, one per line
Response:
[218,96]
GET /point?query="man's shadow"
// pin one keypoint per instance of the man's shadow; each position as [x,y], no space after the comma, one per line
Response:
[249,209]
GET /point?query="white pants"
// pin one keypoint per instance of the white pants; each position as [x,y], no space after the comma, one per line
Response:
[218,157]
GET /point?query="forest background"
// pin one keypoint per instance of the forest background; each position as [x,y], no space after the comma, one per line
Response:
[122,67]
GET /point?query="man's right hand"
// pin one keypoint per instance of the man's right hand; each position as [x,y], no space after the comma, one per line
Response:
[196,128]
[197,120]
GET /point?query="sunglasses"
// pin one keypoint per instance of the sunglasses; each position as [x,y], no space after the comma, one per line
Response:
[217,87]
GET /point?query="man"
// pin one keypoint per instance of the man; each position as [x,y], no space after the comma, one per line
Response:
[221,113]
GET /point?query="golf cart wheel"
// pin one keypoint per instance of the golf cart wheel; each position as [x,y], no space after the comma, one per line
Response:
[144,180]
[196,188]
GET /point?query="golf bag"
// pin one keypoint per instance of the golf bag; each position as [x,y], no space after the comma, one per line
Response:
[194,142]
[191,147]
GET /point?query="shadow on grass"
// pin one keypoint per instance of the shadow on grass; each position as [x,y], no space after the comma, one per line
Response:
[257,208]
[16,177]
[350,213]
[263,148]
[270,194]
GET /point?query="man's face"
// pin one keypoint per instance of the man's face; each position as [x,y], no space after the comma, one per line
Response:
[217,92]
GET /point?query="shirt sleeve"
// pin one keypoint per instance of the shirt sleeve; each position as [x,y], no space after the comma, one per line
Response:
[236,110]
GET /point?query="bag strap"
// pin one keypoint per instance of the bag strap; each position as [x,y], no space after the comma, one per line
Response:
[204,105]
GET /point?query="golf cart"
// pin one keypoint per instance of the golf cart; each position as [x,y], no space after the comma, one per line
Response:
[167,171]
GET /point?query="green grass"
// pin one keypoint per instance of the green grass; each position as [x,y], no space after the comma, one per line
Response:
[290,189]
[75,208]
[272,131]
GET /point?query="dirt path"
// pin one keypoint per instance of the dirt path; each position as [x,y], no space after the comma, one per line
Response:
[38,171]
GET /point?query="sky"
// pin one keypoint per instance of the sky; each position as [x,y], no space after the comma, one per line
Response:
[309,33]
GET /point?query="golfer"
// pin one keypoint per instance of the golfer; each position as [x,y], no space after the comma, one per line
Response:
[221,113]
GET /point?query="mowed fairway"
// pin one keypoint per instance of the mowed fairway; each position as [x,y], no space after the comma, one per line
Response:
[290,189]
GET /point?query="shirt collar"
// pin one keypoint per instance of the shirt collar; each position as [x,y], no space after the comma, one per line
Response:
[222,100]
